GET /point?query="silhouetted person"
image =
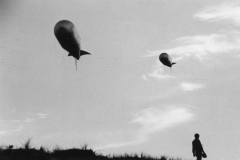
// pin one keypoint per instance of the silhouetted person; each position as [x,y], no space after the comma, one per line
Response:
[197,148]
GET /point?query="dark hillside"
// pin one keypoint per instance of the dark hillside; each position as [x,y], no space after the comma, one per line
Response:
[28,153]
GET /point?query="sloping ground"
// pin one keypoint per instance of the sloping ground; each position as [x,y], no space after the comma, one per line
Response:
[68,154]
[74,154]
[33,154]
[23,154]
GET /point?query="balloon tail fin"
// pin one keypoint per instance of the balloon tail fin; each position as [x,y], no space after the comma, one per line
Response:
[76,63]
[84,52]
[174,63]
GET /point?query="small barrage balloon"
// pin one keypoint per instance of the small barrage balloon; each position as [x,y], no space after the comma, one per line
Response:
[69,39]
[166,60]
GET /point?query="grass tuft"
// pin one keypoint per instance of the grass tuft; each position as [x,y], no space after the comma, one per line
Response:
[57,148]
[27,144]
[84,147]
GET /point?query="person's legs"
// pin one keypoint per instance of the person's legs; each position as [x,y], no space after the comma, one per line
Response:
[199,157]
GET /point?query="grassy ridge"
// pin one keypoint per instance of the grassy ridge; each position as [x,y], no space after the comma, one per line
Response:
[29,153]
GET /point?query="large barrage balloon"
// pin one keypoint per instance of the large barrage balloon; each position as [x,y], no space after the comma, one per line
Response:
[166,60]
[69,39]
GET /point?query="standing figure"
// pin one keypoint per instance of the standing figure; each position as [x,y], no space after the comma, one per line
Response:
[197,148]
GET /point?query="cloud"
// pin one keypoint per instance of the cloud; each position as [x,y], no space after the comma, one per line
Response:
[186,86]
[28,120]
[9,131]
[19,121]
[122,144]
[226,11]
[157,73]
[8,127]
[144,77]
[17,125]
[42,115]
[201,46]
[153,120]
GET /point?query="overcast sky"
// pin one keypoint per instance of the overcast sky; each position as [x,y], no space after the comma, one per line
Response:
[121,98]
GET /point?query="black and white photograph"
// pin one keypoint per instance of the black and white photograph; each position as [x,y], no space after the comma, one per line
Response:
[119,79]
